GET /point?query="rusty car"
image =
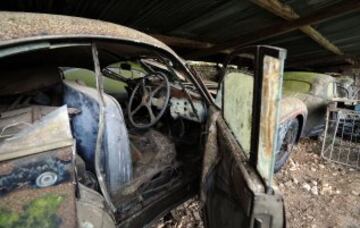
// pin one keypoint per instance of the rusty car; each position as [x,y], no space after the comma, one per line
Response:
[73,155]
[315,90]
[303,104]
[346,88]
[293,111]
[303,109]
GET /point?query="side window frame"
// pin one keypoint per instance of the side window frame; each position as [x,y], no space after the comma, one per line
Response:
[259,54]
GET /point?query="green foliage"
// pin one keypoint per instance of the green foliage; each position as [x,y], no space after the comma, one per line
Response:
[40,212]
[7,218]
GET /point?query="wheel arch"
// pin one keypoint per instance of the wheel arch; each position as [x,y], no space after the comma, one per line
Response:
[301,120]
[294,109]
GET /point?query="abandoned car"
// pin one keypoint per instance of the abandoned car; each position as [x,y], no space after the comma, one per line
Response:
[293,111]
[346,88]
[303,109]
[306,96]
[316,91]
[74,155]
[303,105]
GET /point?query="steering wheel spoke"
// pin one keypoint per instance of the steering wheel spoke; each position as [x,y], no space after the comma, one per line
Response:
[148,99]
[151,113]
[157,89]
[137,108]
[143,86]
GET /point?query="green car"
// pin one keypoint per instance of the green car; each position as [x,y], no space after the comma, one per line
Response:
[303,105]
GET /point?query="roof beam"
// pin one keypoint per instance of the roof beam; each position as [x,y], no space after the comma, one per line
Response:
[354,60]
[286,12]
[316,17]
[182,42]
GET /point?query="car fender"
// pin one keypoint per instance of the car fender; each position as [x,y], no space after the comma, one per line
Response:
[293,108]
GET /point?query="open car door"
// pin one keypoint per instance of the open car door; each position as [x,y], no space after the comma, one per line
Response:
[237,188]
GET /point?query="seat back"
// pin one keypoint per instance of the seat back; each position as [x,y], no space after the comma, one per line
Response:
[115,154]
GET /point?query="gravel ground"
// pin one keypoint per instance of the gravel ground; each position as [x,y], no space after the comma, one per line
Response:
[186,215]
[317,193]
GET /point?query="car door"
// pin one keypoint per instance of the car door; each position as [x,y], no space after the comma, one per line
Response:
[237,186]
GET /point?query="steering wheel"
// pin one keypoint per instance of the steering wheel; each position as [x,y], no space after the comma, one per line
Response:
[154,90]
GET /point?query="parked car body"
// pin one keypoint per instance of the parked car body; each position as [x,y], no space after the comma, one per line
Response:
[316,91]
[293,116]
[293,112]
[70,156]
[346,88]
[305,99]
[303,105]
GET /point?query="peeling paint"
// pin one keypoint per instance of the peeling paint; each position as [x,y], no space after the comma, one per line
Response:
[270,100]
[26,171]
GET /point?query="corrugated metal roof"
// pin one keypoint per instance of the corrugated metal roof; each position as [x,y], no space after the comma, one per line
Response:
[344,32]
[214,21]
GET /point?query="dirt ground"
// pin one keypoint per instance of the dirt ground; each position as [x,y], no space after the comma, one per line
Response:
[317,193]
[187,215]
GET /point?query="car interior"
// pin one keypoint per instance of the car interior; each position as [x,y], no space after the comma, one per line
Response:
[154,117]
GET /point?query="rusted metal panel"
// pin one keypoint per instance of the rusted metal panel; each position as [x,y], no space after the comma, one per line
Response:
[51,132]
[316,81]
[253,111]
[291,108]
[210,21]
[270,100]
[31,31]
[229,141]
[313,90]
[38,190]
[17,27]
[238,97]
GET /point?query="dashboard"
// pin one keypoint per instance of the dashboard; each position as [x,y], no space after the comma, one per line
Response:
[187,104]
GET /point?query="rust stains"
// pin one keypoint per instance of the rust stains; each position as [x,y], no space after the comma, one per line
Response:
[64,154]
[6,168]
[19,26]
[271,87]
[292,107]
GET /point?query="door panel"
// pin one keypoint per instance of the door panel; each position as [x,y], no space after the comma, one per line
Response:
[237,183]
[238,96]
[271,91]
[235,193]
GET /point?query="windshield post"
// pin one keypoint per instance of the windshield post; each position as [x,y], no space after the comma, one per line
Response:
[100,89]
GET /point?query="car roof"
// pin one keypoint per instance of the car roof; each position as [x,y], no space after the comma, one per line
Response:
[20,26]
[311,77]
